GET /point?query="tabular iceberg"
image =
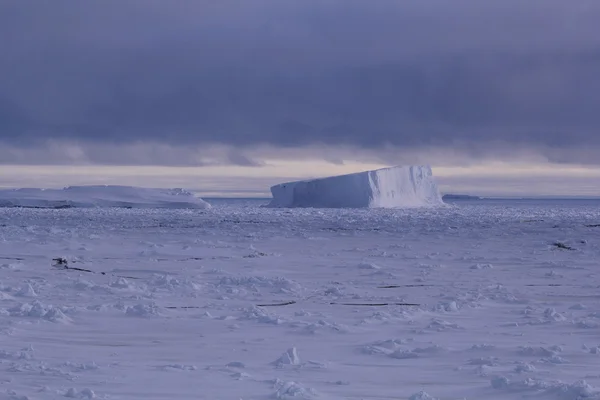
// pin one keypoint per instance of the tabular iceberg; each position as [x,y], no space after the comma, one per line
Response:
[100,196]
[400,186]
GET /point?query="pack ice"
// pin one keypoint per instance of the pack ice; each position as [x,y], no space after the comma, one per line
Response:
[100,196]
[399,186]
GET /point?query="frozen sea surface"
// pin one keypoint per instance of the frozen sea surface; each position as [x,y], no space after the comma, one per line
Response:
[184,304]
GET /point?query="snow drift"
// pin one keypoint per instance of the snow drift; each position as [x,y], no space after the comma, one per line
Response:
[100,196]
[400,186]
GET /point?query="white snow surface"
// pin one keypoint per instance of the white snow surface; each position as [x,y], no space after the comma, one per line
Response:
[400,186]
[502,312]
[100,196]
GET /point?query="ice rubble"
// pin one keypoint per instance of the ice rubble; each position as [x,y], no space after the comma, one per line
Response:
[100,196]
[400,186]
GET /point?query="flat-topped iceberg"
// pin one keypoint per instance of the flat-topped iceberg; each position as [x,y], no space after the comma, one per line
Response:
[394,187]
[100,196]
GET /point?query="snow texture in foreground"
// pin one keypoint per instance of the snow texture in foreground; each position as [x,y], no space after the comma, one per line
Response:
[100,196]
[401,186]
[502,314]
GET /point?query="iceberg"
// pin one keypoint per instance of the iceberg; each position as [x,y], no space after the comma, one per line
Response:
[393,187]
[100,196]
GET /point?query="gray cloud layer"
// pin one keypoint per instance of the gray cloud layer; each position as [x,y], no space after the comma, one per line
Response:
[469,74]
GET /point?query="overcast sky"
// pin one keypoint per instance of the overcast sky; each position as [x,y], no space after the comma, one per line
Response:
[153,82]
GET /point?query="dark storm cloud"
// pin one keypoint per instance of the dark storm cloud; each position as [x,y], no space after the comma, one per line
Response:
[470,74]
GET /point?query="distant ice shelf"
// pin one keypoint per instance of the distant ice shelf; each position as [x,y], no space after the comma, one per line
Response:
[100,196]
[452,196]
[393,187]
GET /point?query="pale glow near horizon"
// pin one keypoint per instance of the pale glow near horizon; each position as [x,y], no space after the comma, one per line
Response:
[492,178]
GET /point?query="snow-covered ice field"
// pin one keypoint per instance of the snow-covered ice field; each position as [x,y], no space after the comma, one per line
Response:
[502,312]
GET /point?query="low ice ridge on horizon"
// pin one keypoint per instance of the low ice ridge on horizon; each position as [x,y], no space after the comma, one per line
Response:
[101,196]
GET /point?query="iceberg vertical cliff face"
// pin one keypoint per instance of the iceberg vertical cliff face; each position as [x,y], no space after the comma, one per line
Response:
[406,186]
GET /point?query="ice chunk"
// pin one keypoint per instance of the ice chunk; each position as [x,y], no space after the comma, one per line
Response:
[290,357]
[400,186]
[100,196]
